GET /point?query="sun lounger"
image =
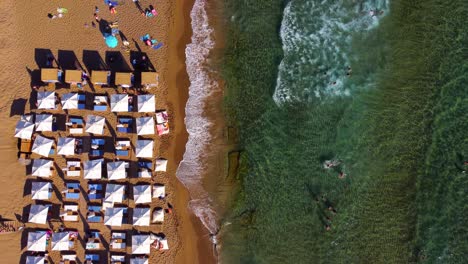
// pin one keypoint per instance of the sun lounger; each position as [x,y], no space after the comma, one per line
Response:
[93,257]
[76,120]
[95,191]
[96,153]
[123,153]
[118,240]
[94,214]
[145,164]
[82,97]
[98,141]
[100,108]
[93,241]
[81,106]
[72,196]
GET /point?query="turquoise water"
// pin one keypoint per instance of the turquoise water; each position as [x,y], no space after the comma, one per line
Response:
[378,87]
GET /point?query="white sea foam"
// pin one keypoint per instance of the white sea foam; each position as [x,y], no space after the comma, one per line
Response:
[190,170]
[316,42]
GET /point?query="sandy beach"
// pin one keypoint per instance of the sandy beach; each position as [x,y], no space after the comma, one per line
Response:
[28,34]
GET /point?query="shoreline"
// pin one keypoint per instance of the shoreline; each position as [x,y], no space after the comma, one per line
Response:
[190,225]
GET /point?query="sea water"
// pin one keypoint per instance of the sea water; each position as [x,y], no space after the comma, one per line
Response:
[376,88]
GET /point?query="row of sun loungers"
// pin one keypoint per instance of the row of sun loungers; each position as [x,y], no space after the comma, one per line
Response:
[99,78]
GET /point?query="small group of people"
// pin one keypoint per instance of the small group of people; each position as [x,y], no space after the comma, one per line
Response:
[5,228]
[60,12]
[328,208]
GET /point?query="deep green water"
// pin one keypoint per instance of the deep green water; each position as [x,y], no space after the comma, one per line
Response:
[398,124]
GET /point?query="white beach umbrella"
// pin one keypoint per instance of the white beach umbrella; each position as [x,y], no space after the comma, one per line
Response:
[38,214]
[70,101]
[159,191]
[95,124]
[37,241]
[141,244]
[146,103]
[158,215]
[161,165]
[93,169]
[44,122]
[41,167]
[163,244]
[141,216]
[24,129]
[61,241]
[139,261]
[66,146]
[116,170]
[144,148]
[46,100]
[142,194]
[40,190]
[35,260]
[119,102]
[114,193]
[42,146]
[114,216]
[145,125]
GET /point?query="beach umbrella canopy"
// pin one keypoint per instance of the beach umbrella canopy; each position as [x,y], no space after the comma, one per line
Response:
[35,260]
[66,146]
[61,241]
[46,100]
[37,241]
[93,169]
[111,41]
[161,165]
[145,125]
[159,191]
[163,244]
[141,216]
[161,117]
[95,124]
[142,194]
[114,193]
[38,214]
[141,244]
[42,146]
[139,261]
[144,148]
[116,170]
[114,216]
[119,102]
[40,190]
[70,101]
[158,215]
[146,103]
[24,129]
[41,167]
[44,122]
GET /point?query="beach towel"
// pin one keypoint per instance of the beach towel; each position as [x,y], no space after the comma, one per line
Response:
[157,46]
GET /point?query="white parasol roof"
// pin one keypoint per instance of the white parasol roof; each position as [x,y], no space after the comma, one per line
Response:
[42,145]
[114,216]
[40,190]
[114,193]
[61,241]
[116,170]
[24,128]
[46,100]
[93,169]
[158,215]
[66,146]
[145,125]
[44,122]
[146,103]
[119,102]
[144,148]
[95,124]
[41,167]
[38,214]
[142,194]
[141,244]
[161,165]
[141,216]
[37,241]
[139,261]
[70,101]
[35,260]
[159,191]
[163,244]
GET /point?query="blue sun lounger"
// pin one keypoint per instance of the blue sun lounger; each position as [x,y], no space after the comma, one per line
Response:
[98,141]
[100,108]
[82,97]
[96,153]
[73,195]
[145,164]
[93,257]
[98,195]
[120,152]
[78,121]
[125,120]
[96,209]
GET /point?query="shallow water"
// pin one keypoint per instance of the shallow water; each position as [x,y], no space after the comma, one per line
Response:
[395,124]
